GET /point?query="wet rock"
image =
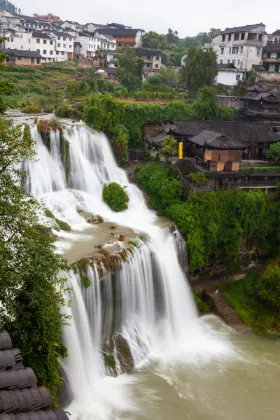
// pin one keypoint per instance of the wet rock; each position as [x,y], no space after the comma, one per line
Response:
[121,238]
[123,353]
[93,219]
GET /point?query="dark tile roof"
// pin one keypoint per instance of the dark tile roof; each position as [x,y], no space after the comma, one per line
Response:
[22,53]
[272,48]
[119,32]
[41,35]
[59,33]
[20,397]
[142,52]
[256,89]
[277,32]
[110,70]
[258,67]
[215,140]
[241,28]
[263,96]
[245,132]
[226,66]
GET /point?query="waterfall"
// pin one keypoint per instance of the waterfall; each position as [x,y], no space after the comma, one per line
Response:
[147,301]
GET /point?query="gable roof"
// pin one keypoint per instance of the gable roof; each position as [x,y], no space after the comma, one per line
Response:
[215,140]
[20,397]
[263,96]
[245,132]
[21,53]
[277,32]
[41,35]
[272,48]
[241,28]
[142,52]
[119,31]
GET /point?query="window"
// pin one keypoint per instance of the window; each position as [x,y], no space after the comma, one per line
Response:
[233,62]
[157,58]
[38,51]
[19,58]
[222,51]
[62,52]
[258,51]
[44,41]
[221,61]
[229,50]
[44,51]
[58,38]
[51,42]
[51,52]
[64,45]
[278,55]
[238,62]
[38,41]
[148,57]
[228,61]
[236,37]
[58,44]
[223,38]
[32,60]
[260,37]
[57,52]
[241,49]
[156,66]
[70,46]
[107,45]
[243,36]
[229,37]
[12,39]
[238,77]
[64,39]
[268,55]
[235,50]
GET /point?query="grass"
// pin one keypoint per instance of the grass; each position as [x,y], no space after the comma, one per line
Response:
[262,320]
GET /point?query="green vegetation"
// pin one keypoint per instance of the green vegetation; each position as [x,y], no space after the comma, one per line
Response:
[115,197]
[273,152]
[259,169]
[60,223]
[216,225]
[258,314]
[200,69]
[203,306]
[169,148]
[30,291]
[199,179]
[129,70]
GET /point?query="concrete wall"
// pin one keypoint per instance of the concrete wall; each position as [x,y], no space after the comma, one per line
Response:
[236,102]
[264,77]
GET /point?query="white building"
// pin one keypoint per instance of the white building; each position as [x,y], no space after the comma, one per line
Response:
[271,53]
[18,40]
[44,44]
[92,42]
[241,46]
[8,20]
[64,45]
[229,75]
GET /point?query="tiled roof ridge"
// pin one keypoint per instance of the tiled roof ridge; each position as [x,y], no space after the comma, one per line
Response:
[20,397]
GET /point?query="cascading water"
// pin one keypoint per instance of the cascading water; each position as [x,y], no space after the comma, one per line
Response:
[150,295]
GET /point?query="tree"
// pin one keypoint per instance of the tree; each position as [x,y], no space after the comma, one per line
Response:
[169,148]
[5,87]
[169,74]
[274,152]
[213,33]
[129,70]
[268,285]
[200,69]
[172,37]
[30,290]
[154,40]
[115,197]
[206,105]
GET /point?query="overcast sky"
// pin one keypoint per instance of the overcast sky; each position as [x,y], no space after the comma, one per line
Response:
[187,17]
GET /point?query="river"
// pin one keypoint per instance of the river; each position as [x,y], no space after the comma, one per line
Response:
[186,367]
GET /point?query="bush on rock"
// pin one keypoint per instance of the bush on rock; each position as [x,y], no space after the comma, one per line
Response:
[115,197]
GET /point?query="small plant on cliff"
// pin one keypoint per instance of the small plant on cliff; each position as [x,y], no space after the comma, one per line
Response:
[169,148]
[115,197]
[199,178]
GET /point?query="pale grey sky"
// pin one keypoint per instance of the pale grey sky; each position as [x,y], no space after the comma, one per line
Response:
[188,17]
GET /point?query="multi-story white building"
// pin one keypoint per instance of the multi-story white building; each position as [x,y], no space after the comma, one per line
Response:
[44,44]
[271,53]
[241,46]
[93,41]
[64,45]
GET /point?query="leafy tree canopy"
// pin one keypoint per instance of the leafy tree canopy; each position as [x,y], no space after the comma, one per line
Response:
[169,148]
[5,87]
[200,69]
[115,196]
[129,70]
[274,151]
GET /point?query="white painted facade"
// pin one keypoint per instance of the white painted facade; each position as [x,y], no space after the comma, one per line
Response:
[19,41]
[92,42]
[8,20]
[240,46]
[44,44]
[64,46]
[230,77]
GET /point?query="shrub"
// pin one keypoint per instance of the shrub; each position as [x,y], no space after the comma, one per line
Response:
[199,178]
[268,285]
[115,197]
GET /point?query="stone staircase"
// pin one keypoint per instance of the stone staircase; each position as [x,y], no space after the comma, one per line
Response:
[226,312]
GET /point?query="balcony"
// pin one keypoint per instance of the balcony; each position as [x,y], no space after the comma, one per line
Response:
[271,60]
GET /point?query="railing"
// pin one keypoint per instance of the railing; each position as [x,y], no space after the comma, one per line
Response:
[271,59]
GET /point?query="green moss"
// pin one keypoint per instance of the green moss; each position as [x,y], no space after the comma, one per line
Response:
[109,358]
[133,243]
[203,306]
[85,280]
[63,225]
[49,214]
[66,160]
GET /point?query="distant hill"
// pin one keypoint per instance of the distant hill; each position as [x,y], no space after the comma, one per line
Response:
[8,6]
